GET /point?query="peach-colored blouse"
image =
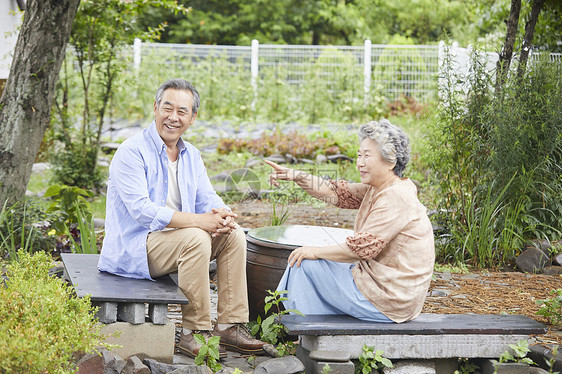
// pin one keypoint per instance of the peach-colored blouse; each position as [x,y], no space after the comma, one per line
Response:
[394,239]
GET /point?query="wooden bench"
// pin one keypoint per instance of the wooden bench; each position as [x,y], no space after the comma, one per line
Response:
[430,336]
[120,298]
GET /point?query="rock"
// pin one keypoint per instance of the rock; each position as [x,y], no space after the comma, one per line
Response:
[40,167]
[282,365]
[109,147]
[220,177]
[226,371]
[135,366]
[558,258]
[542,354]
[278,159]
[90,363]
[157,367]
[553,270]
[339,158]
[291,159]
[532,260]
[542,244]
[536,370]
[270,350]
[321,159]
[253,162]
[305,161]
[213,267]
[99,223]
[189,369]
[113,364]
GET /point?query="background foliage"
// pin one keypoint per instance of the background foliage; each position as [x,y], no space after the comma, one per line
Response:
[497,158]
[350,22]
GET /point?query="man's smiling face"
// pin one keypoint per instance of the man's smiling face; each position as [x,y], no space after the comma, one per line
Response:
[173,115]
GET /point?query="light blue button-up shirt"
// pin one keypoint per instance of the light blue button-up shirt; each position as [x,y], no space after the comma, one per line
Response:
[136,197]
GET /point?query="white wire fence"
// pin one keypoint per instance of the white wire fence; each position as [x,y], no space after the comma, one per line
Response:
[297,80]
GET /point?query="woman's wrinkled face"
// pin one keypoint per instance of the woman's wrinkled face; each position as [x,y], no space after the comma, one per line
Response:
[374,170]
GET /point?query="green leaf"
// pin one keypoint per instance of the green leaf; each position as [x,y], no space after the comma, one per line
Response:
[199,339]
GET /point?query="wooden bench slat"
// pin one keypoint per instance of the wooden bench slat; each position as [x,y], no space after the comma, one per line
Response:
[425,324]
[104,287]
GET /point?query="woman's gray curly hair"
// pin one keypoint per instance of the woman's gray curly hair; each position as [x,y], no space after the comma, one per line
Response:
[393,143]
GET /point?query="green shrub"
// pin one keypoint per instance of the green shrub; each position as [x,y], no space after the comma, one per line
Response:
[43,322]
[505,144]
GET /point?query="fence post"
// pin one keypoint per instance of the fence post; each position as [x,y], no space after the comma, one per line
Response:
[254,69]
[137,54]
[367,69]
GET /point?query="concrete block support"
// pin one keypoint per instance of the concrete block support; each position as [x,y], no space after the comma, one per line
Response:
[107,312]
[412,366]
[415,346]
[314,362]
[145,340]
[494,367]
[158,313]
[131,312]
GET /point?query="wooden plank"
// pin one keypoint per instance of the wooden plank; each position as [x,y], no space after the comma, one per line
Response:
[425,324]
[104,287]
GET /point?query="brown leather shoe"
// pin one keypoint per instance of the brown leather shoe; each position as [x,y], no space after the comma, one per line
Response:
[237,338]
[189,347]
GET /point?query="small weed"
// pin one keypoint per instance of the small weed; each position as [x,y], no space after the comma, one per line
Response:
[467,367]
[517,353]
[370,360]
[457,268]
[208,353]
[271,329]
[551,308]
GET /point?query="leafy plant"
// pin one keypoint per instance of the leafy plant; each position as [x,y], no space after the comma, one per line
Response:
[517,353]
[43,322]
[551,308]
[66,200]
[209,352]
[467,367]
[87,242]
[279,219]
[371,359]
[25,225]
[270,329]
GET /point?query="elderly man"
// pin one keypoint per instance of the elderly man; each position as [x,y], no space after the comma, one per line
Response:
[163,216]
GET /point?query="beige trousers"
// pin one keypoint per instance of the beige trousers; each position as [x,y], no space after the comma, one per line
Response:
[189,251]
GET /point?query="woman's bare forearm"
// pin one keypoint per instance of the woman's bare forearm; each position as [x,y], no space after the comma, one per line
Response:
[318,187]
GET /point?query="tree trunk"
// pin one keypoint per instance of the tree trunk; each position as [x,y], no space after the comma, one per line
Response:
[25,107]
[507,50]
[528,38]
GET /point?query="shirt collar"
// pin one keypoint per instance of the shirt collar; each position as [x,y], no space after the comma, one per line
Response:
[160,145]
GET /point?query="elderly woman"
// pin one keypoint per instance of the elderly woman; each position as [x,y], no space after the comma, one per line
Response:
[382,272]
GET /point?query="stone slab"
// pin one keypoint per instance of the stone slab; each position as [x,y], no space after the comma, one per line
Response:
[83,272]
[425,324]
[145,340]
[416,346]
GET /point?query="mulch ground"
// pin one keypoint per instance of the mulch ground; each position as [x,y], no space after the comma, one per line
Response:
[479,292]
